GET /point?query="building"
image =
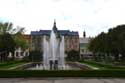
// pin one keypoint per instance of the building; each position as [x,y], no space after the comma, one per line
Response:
[84,51]
[71,39]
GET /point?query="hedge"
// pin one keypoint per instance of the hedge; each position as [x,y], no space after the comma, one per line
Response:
[64,73]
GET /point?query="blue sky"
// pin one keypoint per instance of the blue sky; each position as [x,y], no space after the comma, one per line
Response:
[93,16]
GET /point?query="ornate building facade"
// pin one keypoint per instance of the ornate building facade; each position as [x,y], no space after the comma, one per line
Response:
[85,53]
[71,39]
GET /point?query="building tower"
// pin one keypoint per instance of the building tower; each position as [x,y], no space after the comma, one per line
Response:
[84,34]
[54,26]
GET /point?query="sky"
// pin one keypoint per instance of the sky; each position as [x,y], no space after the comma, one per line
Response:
[92,16]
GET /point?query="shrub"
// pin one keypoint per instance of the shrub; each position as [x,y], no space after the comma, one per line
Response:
[35,56]
[65,73]
[73,55]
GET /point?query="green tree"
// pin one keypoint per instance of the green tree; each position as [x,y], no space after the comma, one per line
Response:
[7,38]
[21,41]
[73,55]
[6,28]
[7,44]
[111,43]
[35,56]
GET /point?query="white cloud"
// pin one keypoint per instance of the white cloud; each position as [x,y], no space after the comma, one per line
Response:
[93,16]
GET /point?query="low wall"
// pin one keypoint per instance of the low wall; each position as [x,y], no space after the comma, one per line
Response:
[33,64]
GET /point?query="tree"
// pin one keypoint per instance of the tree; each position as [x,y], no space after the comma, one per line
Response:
[73,55]
[7,44]
[35,56]
[117,41]
[121,42]
[21,41]
[112,42]
[6,28]
[7,35]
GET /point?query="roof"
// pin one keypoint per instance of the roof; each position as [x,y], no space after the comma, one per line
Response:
[62,32]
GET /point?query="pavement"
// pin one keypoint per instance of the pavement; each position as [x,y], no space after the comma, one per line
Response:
[62,80]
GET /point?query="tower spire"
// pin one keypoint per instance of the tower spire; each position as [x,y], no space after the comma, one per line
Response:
[54,22]
[84,34]
[54,26]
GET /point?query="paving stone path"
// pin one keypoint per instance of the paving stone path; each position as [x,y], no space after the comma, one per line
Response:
[62,80]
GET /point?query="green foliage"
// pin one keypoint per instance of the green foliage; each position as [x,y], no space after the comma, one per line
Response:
[7,43]
[10,39]
[5,36]
[21,41]
[65,73]
[6,28]
[72,55]
[35,56]
[112,42]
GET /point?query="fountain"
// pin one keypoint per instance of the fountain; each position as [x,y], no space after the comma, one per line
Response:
[53,53]
[53,50]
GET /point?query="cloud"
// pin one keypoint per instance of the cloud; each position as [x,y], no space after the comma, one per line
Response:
[93,16]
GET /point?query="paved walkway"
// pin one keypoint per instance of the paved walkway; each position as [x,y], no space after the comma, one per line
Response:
[62,80]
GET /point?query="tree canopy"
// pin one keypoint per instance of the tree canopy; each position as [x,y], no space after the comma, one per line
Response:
[112,42]
[10,38]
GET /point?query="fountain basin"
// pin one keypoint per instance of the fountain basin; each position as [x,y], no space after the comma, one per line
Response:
[67,66]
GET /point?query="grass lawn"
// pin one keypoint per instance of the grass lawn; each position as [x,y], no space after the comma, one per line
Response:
[10,64]
[94,67]
[100,66]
